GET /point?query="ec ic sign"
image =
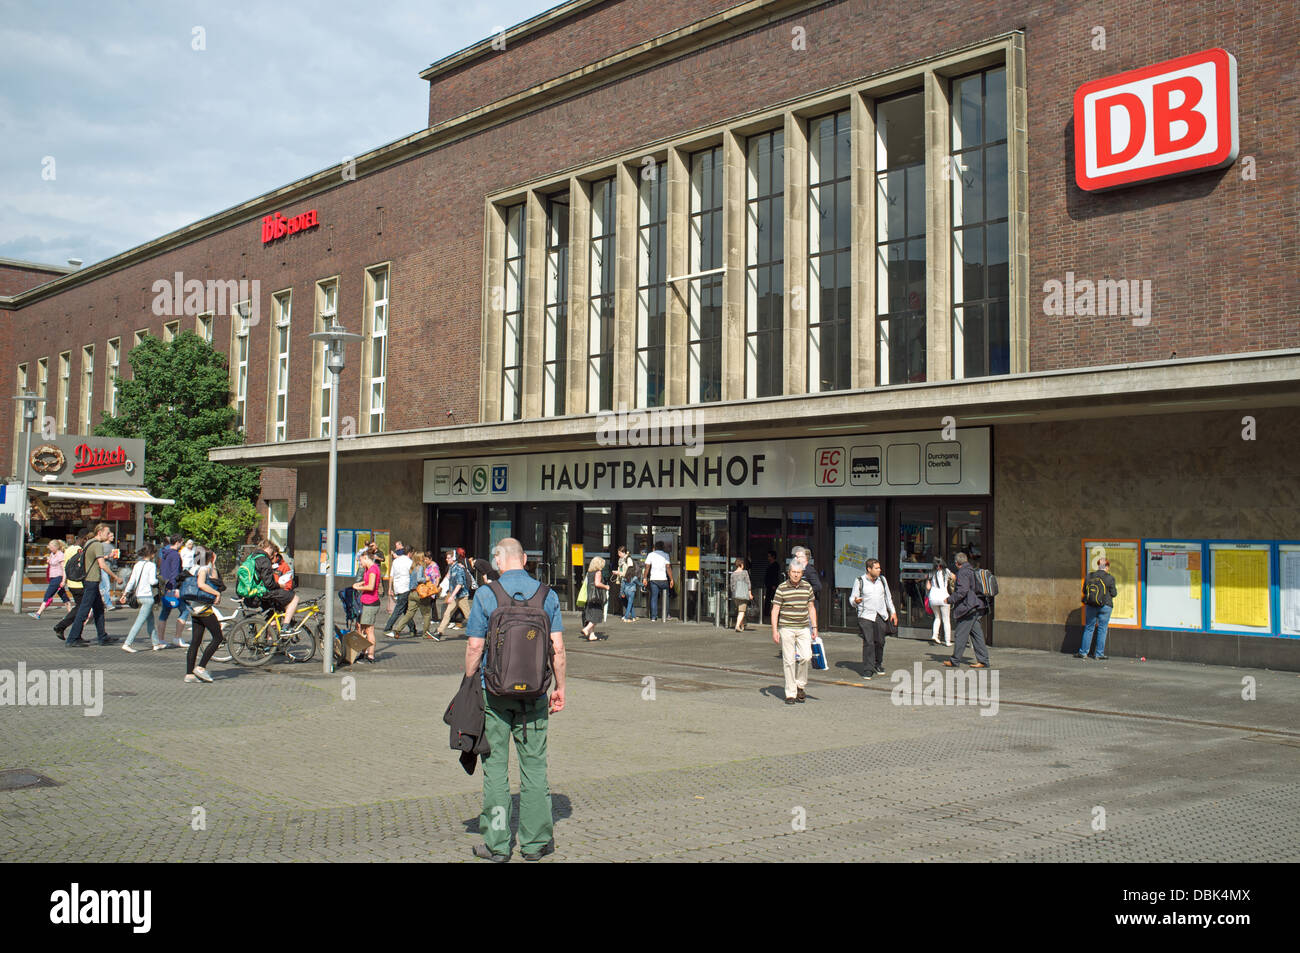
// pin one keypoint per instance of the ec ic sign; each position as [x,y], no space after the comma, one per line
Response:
[1173,118]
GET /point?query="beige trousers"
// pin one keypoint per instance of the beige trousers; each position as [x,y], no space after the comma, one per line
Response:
[795,642]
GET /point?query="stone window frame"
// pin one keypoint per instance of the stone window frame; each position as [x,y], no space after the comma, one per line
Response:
[933,77]
[321,382]
[278,352]
[368,338]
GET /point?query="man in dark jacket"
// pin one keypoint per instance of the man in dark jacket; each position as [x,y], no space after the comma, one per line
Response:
[1097,612]
[967,608]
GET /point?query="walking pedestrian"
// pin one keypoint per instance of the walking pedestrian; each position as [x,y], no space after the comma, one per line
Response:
[794,623]
[627,583]
[54,581]
[1099,594]
[399,587]
[526,721]
[875,604]
[937,591]
[967,608]
[658,574]
[458,591]
[201,591]
[741,592]
[417,605]
[169,574]
[75,588]
[144,575]
[92,602]
[810,573]
[370,587]
[597,592]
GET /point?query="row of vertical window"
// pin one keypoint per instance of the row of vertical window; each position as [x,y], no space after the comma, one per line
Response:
[375,356]
[976,174]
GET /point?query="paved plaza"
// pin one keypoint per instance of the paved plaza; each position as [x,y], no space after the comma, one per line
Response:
[675,745]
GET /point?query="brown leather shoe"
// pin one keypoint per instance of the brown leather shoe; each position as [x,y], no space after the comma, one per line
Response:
[799,695]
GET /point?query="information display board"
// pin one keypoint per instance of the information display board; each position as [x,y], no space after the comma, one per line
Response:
[857,539]
[1240,583]
[346,549]
[1288,584]
[1174,585]
[1124,566]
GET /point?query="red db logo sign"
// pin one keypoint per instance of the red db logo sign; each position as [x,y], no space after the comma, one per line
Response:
[1173,118]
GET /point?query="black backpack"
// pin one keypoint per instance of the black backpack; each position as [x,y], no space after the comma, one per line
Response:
[1094,591]
[518,645]
[75,568]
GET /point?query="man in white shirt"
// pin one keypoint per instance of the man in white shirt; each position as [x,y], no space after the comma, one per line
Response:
[658,574]
[875,604]
[399,587]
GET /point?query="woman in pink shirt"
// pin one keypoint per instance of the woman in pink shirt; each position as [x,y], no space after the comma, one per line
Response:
[370,587]
[54,578]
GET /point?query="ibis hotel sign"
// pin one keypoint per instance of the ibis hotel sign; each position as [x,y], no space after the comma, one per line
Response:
[1174,118]
[71,460]
[869,465]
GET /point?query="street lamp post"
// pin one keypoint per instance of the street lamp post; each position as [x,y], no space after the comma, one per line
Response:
[29,402]
[334,338]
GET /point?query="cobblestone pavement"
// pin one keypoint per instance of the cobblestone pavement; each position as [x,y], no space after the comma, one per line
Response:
[675,745]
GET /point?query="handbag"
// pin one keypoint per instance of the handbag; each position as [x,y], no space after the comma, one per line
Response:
[582,595]
[133,601]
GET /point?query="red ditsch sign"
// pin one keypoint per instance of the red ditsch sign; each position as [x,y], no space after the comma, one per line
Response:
[1173,118]
[276,226]
[90,459]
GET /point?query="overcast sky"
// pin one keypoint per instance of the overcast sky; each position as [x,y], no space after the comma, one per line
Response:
[147,134]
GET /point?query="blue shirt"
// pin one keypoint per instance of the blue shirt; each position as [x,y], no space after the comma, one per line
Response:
[459,577]
[519,584]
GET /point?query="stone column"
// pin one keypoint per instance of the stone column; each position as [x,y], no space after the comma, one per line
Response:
[534,304]
[734,243]
[625,281]
[678,254]
[938,231]
[796,295]
[862,330]
[579,282]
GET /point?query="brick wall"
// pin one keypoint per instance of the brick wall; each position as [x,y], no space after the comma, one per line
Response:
[15,278]
[598,32]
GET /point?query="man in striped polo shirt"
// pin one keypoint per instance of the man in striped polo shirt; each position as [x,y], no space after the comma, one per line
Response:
[794,623]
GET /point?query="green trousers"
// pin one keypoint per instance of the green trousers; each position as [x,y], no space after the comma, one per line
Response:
[527,722]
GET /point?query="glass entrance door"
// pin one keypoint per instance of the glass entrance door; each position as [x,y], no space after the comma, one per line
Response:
[921,531]
[916,539]
[545,538]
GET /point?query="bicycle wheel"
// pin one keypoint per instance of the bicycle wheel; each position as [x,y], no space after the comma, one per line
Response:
[301,646]
[246,648]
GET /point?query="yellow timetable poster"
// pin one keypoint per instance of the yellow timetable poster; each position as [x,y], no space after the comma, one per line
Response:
[1194,574]
[1123,566]
[1241,587]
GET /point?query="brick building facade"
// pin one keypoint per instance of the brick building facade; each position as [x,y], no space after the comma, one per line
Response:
[588,93]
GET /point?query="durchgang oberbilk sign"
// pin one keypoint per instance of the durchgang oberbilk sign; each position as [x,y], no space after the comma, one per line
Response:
[275,227]
[72,460]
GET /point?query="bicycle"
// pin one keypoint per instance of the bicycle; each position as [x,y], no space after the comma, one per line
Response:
[259,634]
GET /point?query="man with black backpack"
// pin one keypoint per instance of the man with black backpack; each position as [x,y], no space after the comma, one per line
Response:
[967,608]
[515,646]
[1099,593]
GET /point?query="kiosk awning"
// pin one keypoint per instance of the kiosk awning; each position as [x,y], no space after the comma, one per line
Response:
[103,494]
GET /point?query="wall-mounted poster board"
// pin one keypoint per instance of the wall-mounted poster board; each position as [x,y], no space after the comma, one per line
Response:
[1125,567]
[1288,589]
[1240,583]
[1175,585]
[345,547]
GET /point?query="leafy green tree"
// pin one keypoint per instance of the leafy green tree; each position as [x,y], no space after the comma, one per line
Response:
[222,526]
[178,402]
